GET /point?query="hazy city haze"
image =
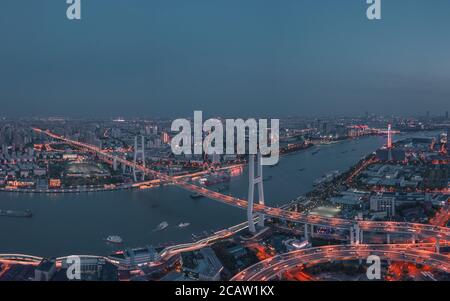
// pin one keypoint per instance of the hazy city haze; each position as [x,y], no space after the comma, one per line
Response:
[167,58]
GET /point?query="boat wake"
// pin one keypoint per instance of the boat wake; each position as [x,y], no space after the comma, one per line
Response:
[161,226]
[183,225]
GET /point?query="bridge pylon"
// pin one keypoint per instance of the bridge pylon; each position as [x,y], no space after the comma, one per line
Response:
[124,168]
[139,153]
[255,180]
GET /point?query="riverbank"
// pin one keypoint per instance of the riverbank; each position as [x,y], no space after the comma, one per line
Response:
[66,190]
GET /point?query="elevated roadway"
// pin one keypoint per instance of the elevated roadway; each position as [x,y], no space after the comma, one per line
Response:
[274,267]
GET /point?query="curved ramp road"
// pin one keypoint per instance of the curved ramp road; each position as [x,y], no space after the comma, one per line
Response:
[271,268]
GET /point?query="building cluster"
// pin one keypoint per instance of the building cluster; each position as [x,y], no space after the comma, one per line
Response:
[386,205]
[90,268]
[390,175]
[201,265]
[408,180]
[413,164]
[20,168]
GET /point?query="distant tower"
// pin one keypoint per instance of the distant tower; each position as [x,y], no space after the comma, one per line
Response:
[258,180]
[389,142]
[444,142]
[139,152]
[389,137]
[448,139]
[165,138]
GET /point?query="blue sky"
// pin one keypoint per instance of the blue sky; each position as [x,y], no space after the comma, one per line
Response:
[225,57]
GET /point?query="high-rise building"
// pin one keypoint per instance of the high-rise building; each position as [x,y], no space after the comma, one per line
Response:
[380,203]
[395,154]
[165,138]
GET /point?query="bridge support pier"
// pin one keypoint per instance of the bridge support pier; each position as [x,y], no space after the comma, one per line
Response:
[414,239]
[388,238]
[124,168]
[356,235]
[279,276]
[306,232]
[258,180]
[115,164]
[352,236]
[438,247]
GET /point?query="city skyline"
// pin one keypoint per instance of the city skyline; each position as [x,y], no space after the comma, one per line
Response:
[121,117]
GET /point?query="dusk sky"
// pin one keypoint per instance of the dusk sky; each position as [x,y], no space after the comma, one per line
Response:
[226,57]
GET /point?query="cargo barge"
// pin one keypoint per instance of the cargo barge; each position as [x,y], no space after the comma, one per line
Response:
[16,213]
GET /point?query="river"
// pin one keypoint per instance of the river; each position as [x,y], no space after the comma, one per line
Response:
[65,224]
